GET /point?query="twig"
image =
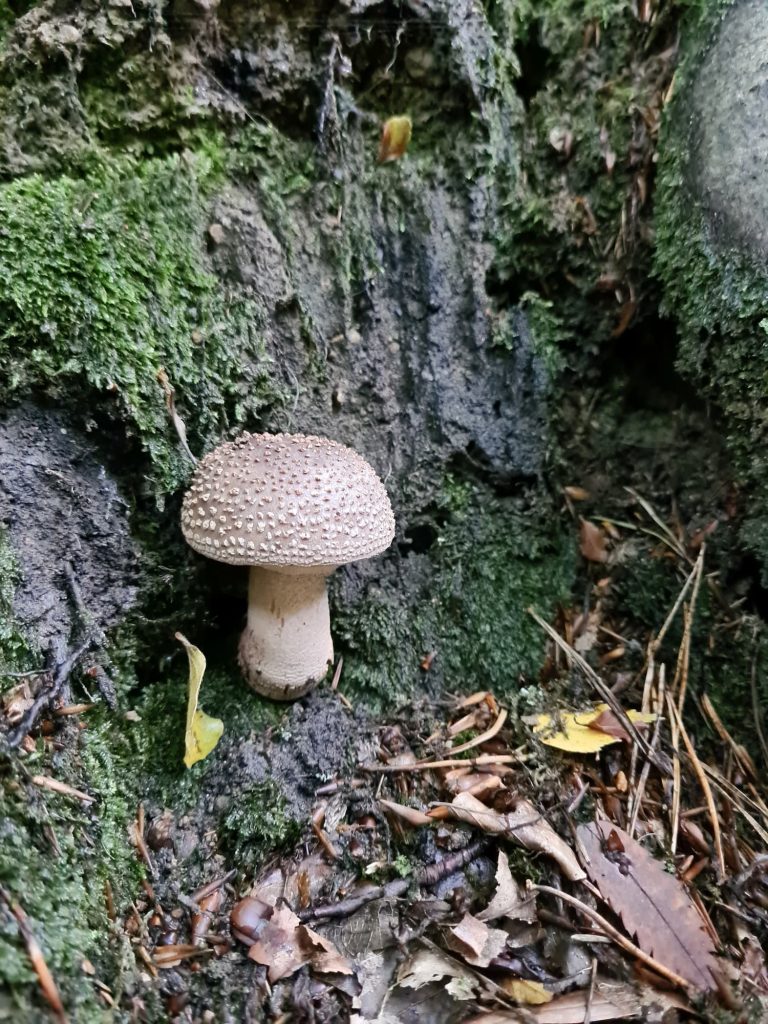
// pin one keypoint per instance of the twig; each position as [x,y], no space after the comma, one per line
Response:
[337,673]
[35,954]
[424,766]
[60,676]
[657,641]
[613,933]
[141,846]
[427,877]
[587,1019]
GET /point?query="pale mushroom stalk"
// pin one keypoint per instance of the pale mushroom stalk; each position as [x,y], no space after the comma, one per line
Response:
[286,645]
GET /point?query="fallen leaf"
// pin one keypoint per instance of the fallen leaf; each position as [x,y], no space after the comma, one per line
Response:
[529,993]
[508,901]
[202,732]
[580,734]
[592,542]
[395,136]
[427,966]
[525,825]
[285,944]
[475,941]
[654,905]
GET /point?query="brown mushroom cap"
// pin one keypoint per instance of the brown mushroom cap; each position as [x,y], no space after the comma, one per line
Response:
[280,500]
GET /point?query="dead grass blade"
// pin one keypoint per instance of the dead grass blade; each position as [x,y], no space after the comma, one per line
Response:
[705,786]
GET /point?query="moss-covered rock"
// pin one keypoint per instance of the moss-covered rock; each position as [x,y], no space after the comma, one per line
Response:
[709,232]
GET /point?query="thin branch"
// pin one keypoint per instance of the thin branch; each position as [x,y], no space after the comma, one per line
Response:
[615,934]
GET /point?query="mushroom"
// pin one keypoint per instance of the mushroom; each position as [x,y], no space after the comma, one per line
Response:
[293,508]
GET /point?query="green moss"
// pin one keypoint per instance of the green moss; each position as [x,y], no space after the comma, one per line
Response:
[157,740]
[103,281]
[491,560]
[55,858]
[257,824]
[16,654]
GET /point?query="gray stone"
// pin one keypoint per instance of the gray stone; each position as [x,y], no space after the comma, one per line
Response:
[728,163]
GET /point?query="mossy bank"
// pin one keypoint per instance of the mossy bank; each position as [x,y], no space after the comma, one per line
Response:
[194,219]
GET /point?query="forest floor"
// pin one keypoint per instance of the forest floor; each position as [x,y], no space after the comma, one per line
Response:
[602,858]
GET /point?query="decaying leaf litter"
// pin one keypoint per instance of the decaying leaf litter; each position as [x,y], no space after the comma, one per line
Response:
[604,860]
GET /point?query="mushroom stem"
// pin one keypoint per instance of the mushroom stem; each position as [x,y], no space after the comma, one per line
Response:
[286,645]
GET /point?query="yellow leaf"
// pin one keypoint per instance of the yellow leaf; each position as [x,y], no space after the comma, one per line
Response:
[395,136]
[530,993]
[202,732]
[576,735]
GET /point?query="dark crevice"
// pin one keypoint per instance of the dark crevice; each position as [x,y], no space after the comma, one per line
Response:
[535,62]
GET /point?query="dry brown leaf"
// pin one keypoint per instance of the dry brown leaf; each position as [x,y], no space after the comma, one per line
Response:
[606,722]
[524,824]
[508,901]
[285,944]
[592,542]
[475,941]
[654,905]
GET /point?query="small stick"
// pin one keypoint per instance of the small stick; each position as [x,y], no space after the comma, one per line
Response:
[639,790]
[60,676]
[426,877]
[46,782]
[616,935]
[587,1019]
[35,954]
[425,766]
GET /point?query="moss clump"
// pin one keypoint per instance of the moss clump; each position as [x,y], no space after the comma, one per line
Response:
[16,653]
[257,824]
[103,280]
[583,81]
[491,559]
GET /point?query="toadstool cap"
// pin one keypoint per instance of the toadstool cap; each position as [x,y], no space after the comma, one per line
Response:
[279,500]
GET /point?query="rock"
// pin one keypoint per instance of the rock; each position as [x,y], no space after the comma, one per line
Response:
[712,234]
[58,503]
[729,121]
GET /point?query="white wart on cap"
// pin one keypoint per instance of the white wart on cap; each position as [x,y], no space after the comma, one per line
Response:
[293,507]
